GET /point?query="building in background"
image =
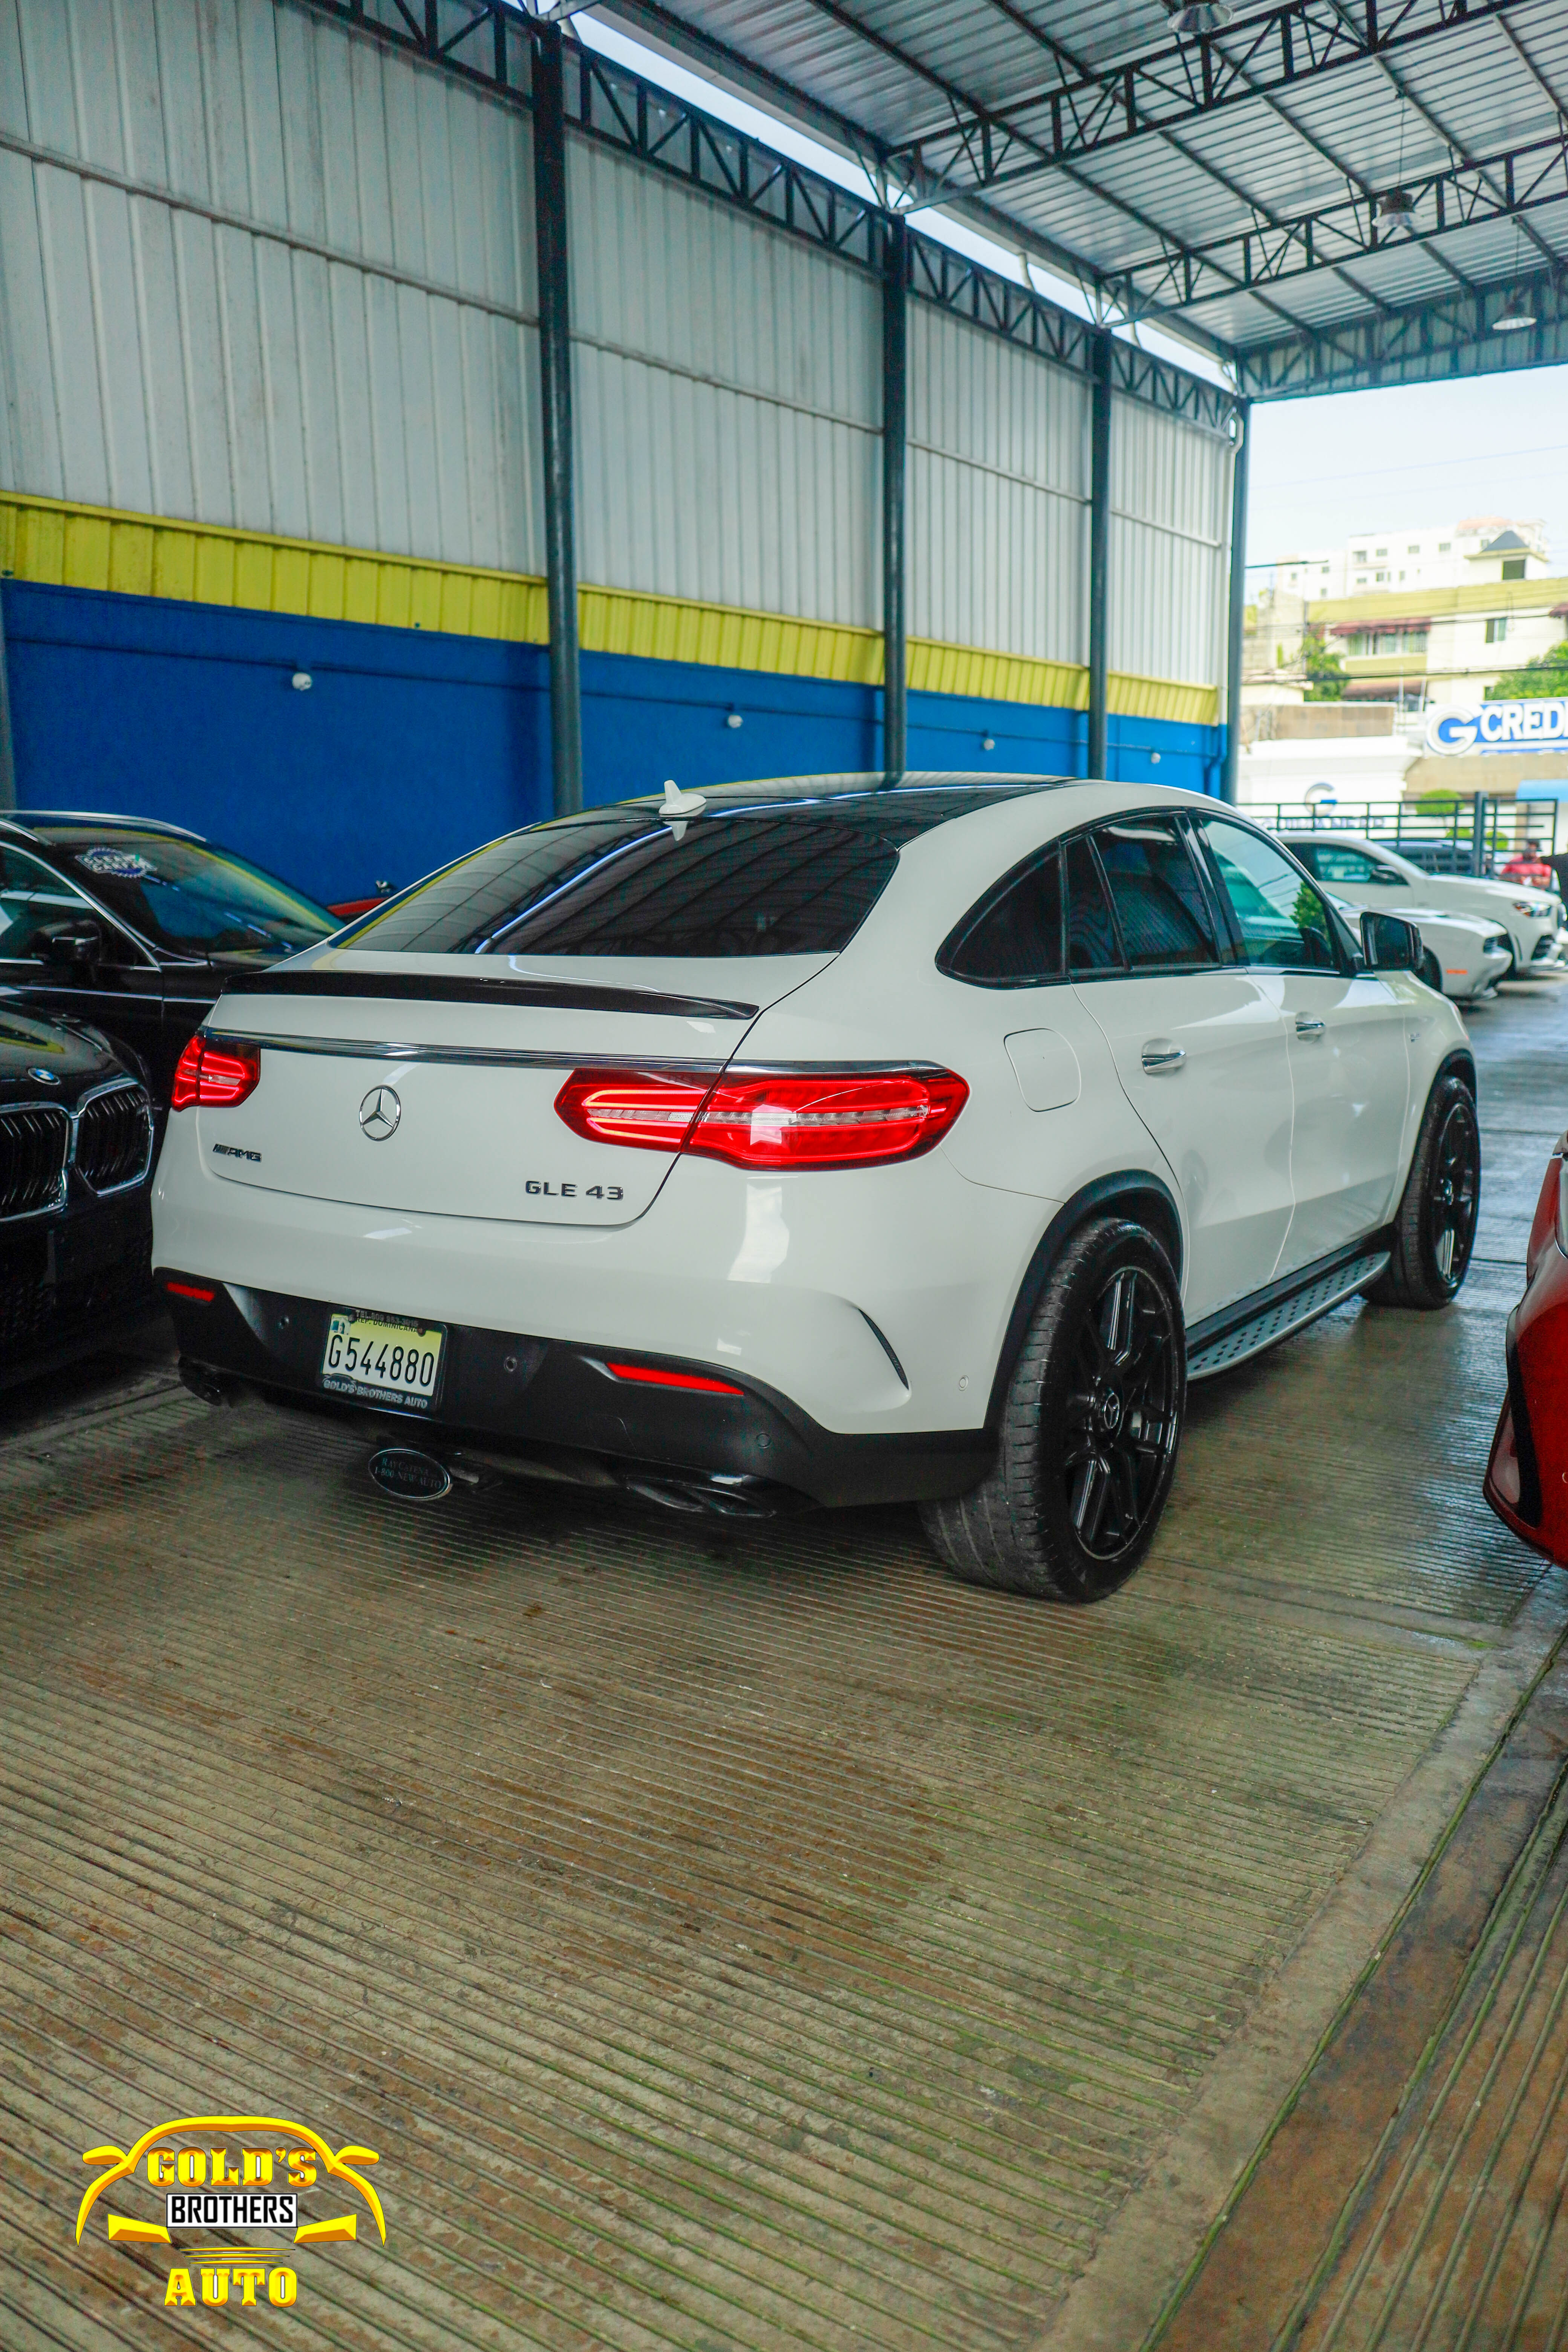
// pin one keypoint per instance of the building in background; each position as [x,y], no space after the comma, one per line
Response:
[1423,555]
[1273,653]
[1441,644]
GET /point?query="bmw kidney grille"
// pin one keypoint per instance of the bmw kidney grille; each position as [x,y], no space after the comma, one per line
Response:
[33,1147]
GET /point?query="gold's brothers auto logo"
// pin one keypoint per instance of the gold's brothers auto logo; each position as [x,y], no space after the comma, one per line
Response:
[241,2173]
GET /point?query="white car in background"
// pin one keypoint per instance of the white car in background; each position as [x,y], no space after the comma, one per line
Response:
[812,1139]
[1369,873]
[1462,956]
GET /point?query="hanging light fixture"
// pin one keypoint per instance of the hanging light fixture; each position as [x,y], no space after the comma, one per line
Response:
[1518,311]
[1199,15]
[1397,207]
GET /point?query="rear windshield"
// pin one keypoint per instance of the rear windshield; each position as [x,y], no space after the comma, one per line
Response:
[625,881]
[189,900]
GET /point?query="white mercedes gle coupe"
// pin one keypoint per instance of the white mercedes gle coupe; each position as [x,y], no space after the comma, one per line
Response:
[819,1141]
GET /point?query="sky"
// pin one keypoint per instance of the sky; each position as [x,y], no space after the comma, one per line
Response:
[1322,469]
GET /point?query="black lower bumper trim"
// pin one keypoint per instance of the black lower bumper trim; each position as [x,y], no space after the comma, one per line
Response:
[510,1395]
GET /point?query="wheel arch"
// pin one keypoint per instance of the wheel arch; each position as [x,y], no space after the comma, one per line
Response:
[1459,1064]
[1134,1192]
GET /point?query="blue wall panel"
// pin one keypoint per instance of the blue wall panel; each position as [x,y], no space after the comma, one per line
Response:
[411,746]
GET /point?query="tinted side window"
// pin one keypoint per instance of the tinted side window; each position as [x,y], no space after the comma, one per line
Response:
[1015,940]
[1159,904]
[31,900]
[1092,943]
[1280,918]
[1331,865]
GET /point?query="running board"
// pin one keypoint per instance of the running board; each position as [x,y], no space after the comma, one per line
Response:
[1285,1316]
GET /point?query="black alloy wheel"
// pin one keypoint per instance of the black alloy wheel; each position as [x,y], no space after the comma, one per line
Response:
[1453,1192]
[1089,1427]
[1121,1422]
[1435,1225]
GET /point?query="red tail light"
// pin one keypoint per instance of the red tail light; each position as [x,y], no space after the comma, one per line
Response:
[208,1077]
[795,1118]
[651,1108]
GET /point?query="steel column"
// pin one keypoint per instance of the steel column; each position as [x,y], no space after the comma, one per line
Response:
[8,741]
[1236,622]
[1098,550]
[555,413]
[895,467]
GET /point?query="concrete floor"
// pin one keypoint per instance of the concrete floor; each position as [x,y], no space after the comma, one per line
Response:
[745,1939]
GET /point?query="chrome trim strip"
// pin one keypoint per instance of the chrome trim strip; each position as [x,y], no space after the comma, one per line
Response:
[362,1049]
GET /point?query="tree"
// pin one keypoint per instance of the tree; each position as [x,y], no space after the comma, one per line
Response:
[1325,671]
[1547,674]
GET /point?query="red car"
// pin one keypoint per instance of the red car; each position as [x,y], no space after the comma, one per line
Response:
[1527,1477]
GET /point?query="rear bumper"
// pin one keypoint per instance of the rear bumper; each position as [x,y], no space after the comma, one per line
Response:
[550,1405]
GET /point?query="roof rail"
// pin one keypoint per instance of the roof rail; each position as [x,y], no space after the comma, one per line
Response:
[33,816]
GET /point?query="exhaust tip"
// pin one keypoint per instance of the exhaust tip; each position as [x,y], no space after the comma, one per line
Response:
[408,1475]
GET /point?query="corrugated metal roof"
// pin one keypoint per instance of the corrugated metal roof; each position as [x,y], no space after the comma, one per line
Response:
[1124,149]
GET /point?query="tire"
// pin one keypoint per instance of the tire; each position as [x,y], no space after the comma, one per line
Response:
[1431,972]
[1090,1426]
[1434,1229]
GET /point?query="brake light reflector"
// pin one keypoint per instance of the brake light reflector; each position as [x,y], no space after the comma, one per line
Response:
[786,1118]
[652,1378]
[208,1077]
[653,1109]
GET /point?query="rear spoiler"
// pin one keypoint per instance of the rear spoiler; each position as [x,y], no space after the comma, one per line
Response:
[444,988]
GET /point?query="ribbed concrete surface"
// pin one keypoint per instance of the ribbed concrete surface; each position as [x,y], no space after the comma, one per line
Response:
[1459,2237]
[726,1941]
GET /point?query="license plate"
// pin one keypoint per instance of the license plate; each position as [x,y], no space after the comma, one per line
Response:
[387,1357]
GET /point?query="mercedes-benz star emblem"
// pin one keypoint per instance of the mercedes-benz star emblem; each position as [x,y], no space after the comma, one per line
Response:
[379,1113]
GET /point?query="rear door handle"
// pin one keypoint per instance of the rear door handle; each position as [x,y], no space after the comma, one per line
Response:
[1163,1057]
[1306,1027]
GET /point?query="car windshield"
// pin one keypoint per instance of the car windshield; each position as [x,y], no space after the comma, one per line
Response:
[628,881]
[190,899]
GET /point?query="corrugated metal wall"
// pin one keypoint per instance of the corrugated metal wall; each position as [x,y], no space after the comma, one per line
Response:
[998,488]
[1169,539]
[728,392]
[296,299]
[159,359]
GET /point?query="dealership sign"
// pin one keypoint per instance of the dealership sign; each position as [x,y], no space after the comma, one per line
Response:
[1538,725]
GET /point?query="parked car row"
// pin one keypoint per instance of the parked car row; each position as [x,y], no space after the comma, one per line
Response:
[1474,932]
[807,1141]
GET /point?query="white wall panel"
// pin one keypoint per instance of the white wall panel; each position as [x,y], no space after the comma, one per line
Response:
[155,359]
[1170,499]
[298,297]
[997,491]
[727,381]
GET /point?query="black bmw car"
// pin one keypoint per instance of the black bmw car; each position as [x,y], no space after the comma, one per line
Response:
[76,1227]
[135,926]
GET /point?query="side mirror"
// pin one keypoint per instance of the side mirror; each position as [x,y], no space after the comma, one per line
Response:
[78,943]
[1390,942]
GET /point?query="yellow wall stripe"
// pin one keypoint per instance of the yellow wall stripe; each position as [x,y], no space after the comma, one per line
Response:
[63,544]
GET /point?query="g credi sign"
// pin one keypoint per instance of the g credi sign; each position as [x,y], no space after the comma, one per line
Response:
[1538,725]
